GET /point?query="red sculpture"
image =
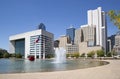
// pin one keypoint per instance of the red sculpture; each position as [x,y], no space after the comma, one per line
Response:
[31,58]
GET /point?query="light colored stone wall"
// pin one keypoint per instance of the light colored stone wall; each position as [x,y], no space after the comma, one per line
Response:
[63,41]
[84,49]
[72,48]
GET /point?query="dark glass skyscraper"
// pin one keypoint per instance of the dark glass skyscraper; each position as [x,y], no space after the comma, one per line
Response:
[41,26]
[71,33]
[20,46]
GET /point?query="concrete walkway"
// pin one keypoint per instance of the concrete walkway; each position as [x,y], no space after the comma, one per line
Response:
[110,71]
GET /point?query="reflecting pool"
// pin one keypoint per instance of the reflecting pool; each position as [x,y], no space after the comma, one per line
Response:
[23,66]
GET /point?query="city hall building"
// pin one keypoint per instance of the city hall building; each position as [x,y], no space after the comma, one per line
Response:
[38,43]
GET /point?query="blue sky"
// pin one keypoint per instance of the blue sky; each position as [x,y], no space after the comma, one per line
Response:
[18,16]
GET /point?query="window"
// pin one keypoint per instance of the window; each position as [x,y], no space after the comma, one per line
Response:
[20,46]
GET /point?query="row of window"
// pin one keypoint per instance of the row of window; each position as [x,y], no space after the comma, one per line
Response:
[40,46]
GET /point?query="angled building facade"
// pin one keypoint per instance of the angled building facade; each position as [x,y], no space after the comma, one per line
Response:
[97,18]
[38,43]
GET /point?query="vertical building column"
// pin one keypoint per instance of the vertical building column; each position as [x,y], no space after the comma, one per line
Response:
[12,46]
[44,48]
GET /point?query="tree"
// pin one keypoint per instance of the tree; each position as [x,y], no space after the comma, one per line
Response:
[6,55]
[68,55]
[109,54]
[91,54]
[18,55]
[113,52]
[100,53]
[115,17]
[2,51]
[1,55]
[76,55]
[73,55]
[13,55]
[82,55]
[49,56]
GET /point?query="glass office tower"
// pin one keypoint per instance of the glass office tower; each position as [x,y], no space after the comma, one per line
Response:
[71,33]
[20,46]
[41,26]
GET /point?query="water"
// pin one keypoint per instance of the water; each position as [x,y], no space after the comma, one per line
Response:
[24,66]
[60,55]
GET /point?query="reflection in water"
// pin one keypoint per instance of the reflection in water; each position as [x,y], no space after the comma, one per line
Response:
[20,65]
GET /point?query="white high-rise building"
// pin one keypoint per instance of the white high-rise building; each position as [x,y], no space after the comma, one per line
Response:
[97,18]
[38,43]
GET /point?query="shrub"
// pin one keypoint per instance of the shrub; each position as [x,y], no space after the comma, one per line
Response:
[91,54]
[2,52]
[100,53]
[109,54]
[18,55]
[13,55]
[6,55]
[49,56]
[82,55]
[76,55]
[68,55]
[73,55]
[113,52]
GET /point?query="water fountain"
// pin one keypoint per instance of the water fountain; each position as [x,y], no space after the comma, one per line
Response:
[60,55]
[58,64]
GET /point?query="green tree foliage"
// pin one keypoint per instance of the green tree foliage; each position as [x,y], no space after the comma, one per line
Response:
[68,55]
[6,55]
[73,55]
[115,17]
[113,52]
[82,55]
[91,54]
[2,51]
[18,55]
[13,55]
[76,55]
[49,56]
[100,53]
[109,54]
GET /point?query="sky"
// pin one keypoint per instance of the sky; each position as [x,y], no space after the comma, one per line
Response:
[19,16]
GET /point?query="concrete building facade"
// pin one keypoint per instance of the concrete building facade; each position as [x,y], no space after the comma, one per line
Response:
[117,43]
[97,18]
[92,36]
[111,43]
[63,41]
[38,43]
[78,36]
[89,35]
[83,48]
[70,48]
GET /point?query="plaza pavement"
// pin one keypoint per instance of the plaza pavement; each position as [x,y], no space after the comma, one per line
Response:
[110,71]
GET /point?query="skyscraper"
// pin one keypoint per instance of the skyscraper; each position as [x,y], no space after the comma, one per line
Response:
[63,41]
[117,43]
[88,33]
[41,26]
[71,33]
[111,42]
[97,18]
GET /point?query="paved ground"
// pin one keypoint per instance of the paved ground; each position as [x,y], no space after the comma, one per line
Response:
[110,71]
